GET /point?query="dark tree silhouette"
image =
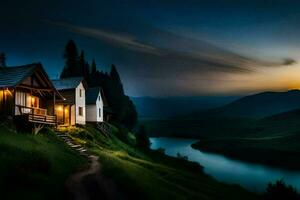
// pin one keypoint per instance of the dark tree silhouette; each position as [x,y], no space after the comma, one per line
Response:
[94,67]
[83,65]
[142,139]
[280,191]
[114,74]
[71,68]
[123,108]
[2,60]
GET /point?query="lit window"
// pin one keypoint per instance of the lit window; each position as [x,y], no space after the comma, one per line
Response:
[80,111]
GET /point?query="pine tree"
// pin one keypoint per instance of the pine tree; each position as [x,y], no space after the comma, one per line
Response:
[114,74]
[142,138]
[94,67]
[72,67]
[86,70]
[2,60]
[82,62]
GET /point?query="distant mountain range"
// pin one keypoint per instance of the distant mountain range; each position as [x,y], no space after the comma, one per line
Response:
[163,108]
[254,106]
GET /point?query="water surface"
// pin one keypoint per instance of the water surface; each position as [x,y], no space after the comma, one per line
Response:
[254,177]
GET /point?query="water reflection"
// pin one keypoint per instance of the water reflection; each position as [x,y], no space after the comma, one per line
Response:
[254,177]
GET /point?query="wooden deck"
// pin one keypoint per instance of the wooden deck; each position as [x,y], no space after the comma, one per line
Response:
[37,115]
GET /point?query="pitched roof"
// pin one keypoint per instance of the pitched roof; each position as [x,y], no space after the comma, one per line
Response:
[67,83]
[91,95]
[12,76]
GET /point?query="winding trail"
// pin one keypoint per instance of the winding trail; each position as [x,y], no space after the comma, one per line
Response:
[90,184]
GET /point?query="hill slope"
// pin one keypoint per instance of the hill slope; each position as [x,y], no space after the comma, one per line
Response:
[36,167]
[162,108]
[255,106]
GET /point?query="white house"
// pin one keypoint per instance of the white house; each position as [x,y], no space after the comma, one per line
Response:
[94,105]
[71,110]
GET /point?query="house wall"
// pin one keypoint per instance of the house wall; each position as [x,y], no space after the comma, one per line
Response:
[6,102]
[73,115]
[92,111]
[99,105]
[24,99]
[80,102]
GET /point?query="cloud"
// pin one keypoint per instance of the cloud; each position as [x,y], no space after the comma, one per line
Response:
[161,62]
[120,39]
[288,61]
[175,52]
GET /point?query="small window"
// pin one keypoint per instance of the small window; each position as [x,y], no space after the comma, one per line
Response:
[80,111]
[99,98]
[80,93]
[99,112]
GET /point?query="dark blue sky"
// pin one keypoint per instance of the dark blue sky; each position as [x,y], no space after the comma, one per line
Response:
[163,48]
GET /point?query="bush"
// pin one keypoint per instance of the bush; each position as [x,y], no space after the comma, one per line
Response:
[179,156]
[281,191]
[142,139]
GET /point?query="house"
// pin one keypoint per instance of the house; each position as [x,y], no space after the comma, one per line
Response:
[28,95]
[71,110]
[94,105]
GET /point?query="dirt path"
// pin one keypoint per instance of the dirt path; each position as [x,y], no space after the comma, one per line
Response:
[90,184]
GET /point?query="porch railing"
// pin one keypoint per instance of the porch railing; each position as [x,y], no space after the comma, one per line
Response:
[37,115]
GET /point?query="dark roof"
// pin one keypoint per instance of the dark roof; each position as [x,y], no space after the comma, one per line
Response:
[12,76]
[67,83]
[91,95]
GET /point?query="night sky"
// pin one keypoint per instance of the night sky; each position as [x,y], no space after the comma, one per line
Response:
[163,48]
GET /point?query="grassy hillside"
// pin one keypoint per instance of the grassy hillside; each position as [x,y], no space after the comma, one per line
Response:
[151,174]
[35,167]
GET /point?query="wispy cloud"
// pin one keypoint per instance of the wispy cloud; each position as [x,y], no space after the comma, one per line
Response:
[121,39]
[182,55]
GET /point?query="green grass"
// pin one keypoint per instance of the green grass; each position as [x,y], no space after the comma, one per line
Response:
[152,175]
[35,167]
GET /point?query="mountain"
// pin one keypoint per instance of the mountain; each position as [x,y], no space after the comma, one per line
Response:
[255,106]
[168,107]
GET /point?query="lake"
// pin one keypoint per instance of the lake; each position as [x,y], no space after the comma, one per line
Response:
[254,177]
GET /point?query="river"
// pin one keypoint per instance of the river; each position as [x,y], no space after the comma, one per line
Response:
[254,177]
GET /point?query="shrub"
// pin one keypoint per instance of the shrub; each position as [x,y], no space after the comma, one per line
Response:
[142,139]
[179,156]
[280,191]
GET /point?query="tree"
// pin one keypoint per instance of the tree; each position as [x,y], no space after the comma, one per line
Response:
[2,60]
[279,191]
[81,61]
[142,139]
[72,66]
[83,65]
[75,65]
[94,67]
